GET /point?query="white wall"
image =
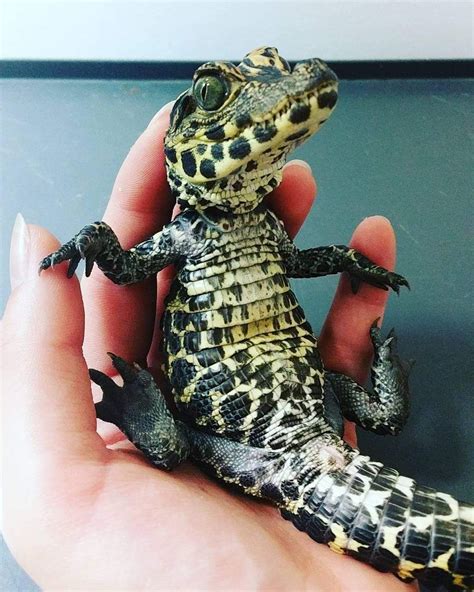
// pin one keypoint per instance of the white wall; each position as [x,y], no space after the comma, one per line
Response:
[199,30]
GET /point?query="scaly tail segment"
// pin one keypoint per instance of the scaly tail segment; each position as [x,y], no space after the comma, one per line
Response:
[380,517]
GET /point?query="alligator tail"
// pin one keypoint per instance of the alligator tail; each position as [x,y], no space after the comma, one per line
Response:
[380,517]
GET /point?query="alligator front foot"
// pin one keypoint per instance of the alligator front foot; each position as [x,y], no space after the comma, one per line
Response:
[88,244]
[139,409]
[362,269]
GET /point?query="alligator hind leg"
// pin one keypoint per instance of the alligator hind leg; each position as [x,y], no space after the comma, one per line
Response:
[384,411]
[139,409]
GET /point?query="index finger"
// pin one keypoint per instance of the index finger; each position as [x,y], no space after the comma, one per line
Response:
[121,318]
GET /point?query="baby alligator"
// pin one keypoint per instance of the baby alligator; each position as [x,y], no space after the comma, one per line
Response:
[250,388]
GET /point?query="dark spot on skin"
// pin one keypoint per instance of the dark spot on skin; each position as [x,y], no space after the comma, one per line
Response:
[173,344]
[327,99]
[237,186]
[271,491]
[217,151]
[216,133]
[207,357]
[264,133]
[297,135]
[206,168]
[223,184]
[300,113]
[193,191]
[227,471]
[189,163]
[240,148]
[200,407]
[182,373]
[251,166]
[247,480]
[243,120]
[201,148]
[170,154]
[217,336]
[290,489]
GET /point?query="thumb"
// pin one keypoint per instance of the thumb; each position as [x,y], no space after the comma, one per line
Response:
[46,383]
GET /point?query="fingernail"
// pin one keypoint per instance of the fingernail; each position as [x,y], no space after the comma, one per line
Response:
[160,113]
[19,252]
[301,163]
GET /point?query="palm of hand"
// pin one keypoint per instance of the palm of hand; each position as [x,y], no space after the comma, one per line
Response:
[94,515]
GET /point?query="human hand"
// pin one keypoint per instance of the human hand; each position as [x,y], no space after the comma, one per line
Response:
[87,511]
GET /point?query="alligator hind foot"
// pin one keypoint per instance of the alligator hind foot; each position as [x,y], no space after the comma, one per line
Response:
[384,411]
[139,409]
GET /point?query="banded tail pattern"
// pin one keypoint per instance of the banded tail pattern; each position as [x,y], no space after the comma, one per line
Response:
[380,517]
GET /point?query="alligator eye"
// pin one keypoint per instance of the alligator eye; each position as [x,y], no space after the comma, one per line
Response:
[210,92]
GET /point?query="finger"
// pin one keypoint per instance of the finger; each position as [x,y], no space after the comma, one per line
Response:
[47,399]
[344,342]
[121,318]
[293,198]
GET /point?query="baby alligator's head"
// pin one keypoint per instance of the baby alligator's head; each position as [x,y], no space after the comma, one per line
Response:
[232,131]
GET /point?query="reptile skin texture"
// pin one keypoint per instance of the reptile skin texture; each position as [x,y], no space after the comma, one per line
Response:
[255,406]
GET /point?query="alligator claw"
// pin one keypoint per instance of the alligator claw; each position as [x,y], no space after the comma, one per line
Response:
[396,281]
[101,379]
[73,263]
[127,371]
[44,264]
[403,282]
[89,264]
[363,270]
[375,324]
[355,284]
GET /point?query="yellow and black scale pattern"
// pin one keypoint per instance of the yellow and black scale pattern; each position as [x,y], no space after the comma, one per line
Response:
[256,407]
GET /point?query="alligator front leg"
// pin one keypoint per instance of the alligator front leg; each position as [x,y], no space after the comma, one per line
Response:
[333,259]
[386,410]
[97,243]
[140,411]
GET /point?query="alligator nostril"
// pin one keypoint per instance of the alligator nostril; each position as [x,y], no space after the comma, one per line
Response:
[316,72]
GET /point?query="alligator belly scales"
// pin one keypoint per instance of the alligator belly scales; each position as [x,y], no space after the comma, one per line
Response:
[251,392]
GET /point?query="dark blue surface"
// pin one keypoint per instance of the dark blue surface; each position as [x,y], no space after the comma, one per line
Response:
[397,148]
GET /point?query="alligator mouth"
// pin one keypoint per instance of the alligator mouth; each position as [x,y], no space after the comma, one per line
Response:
[325,93]
[294,120]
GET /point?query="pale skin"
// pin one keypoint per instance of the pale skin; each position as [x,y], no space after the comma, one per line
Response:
[83,509]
